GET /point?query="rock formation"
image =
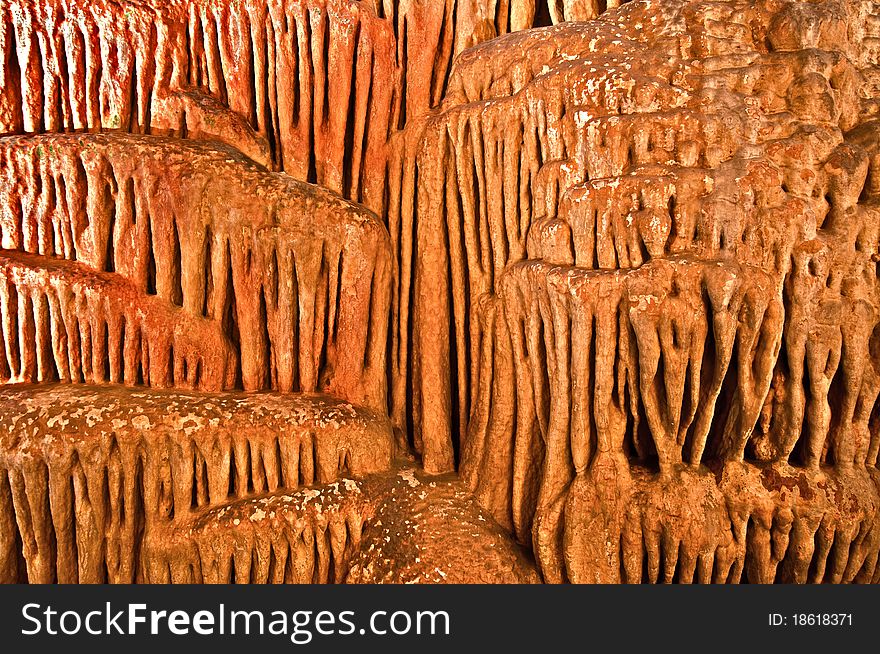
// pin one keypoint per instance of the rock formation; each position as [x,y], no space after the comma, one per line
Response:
[661,283]
[338,290]
[90,470]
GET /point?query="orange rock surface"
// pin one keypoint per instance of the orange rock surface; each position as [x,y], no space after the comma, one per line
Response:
[341,290]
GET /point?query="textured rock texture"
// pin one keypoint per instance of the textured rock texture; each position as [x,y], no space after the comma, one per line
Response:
[430,531]
[305,299]
[655,238]
[384,528]
[88,470]
[290,83]
[411,291]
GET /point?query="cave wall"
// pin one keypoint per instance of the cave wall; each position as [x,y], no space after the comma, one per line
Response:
[615,265]
[654,240]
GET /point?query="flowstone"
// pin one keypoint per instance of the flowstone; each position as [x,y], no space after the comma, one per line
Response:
[405,291]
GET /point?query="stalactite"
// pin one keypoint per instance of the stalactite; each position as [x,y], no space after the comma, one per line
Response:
[249,73]
[676,227]
[628,261]
[310,268]
[91,469]
[79,325]
[302,537]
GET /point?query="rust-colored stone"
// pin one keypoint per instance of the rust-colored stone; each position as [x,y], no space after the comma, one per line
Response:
[90,472]
[597,301]
[652,247]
